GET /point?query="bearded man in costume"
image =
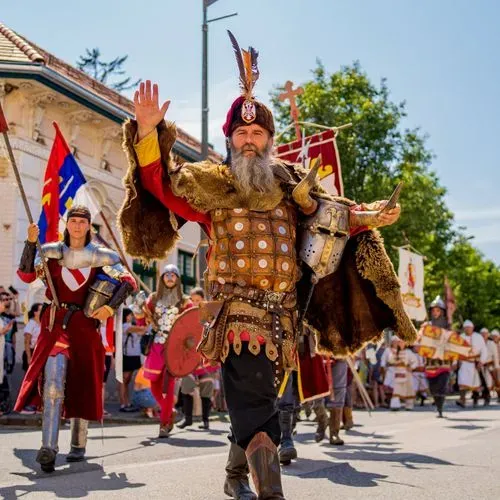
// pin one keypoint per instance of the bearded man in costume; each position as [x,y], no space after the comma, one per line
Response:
[250,207]
[161,309]
[68,360]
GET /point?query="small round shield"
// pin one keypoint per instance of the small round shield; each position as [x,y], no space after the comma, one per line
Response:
[181,356]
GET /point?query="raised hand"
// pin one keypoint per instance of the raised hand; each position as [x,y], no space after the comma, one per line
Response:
[147,109]
[33,233]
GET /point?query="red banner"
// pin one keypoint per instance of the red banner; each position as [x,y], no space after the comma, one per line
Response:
[311,147]
[3,122]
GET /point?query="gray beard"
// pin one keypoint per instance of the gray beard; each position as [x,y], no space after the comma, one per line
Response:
[253,174]
[170,296]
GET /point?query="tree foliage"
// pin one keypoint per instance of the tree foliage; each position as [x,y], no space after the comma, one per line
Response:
[92,64]
[376,153]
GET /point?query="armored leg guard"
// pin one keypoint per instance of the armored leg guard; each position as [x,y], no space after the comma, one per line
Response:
[335,418]
[263,460]
[236,484]
[53,398]
[79,428]
[322,419]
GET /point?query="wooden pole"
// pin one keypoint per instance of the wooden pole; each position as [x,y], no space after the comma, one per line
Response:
[121,253]
[4,129]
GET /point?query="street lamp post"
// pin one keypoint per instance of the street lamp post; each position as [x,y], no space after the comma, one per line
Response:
[204,76]
[204,110]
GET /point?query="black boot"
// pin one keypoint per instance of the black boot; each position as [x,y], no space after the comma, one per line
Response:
[287,451]
[187,410]
[264,464]
[76,454]
[475,398]
[236,484]
[439,405]
[206,404]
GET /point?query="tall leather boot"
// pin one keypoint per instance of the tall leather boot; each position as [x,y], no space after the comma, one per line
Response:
[347,418]
[287,451]
[53,398]
[263,461]
[439,405]
[322,419]
[187,409]
[236,484]
[206,404]
[461,399]
[334,423]
[79,429]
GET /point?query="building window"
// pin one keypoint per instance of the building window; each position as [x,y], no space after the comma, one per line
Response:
[146,273]
[186,267]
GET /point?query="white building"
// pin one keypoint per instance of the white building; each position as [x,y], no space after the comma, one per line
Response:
[37,88]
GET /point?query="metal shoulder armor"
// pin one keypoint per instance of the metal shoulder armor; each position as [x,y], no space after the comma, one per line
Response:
[91,256]
[323,237]
[52,250]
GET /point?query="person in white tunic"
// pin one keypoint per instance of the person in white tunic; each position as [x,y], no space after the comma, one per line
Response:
[420,383]
[403,361]
[495,336]
[388,370]
[468,374]
[490,368]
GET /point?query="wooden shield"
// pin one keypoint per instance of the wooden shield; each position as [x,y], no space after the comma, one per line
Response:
[181,356]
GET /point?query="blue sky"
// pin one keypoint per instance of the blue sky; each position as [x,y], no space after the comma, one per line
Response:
[441,56]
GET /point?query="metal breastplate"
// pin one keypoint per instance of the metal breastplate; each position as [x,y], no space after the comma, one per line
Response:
[91,255]
[254,249]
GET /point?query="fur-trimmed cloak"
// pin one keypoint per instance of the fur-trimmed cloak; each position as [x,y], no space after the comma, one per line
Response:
[348,309]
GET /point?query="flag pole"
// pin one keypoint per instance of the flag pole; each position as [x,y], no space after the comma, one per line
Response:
[120,252]
[4,129]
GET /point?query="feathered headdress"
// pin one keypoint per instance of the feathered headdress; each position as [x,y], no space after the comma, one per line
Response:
[249,74]
[246,109]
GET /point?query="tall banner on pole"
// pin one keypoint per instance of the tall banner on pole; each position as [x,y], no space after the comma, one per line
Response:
[411,278]
[309,148]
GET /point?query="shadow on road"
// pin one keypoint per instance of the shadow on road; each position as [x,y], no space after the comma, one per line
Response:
[177,441]
[85,479]
[338,473]
[470,427]
[414,461]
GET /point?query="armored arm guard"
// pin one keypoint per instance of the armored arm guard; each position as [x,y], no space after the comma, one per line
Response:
[27,263]
[123,290]
[112,286]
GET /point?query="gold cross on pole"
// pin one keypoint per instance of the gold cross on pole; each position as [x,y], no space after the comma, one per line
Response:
[290,94]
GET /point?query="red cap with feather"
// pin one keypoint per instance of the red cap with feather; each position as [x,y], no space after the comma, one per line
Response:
[246,110]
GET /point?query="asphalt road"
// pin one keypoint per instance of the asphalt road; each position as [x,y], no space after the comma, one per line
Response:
[388,455]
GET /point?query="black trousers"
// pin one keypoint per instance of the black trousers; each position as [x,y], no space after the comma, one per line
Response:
[438,385]
[251,396]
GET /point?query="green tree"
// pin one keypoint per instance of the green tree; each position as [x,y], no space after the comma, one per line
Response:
[376,153]
[92,64]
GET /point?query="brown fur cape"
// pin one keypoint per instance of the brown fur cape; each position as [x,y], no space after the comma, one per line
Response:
[348,309]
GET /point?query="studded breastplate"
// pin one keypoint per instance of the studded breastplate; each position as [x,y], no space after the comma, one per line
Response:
[255,249]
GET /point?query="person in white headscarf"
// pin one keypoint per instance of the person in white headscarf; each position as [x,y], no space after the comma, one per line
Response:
[468,373]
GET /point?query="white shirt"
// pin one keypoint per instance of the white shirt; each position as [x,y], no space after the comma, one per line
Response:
[32,328]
